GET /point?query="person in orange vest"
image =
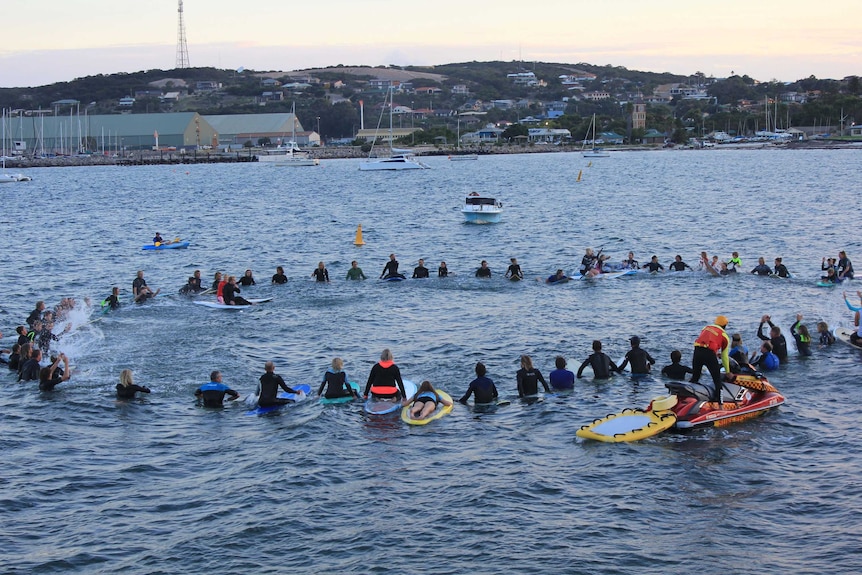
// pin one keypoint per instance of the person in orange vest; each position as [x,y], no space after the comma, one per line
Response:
[713,340]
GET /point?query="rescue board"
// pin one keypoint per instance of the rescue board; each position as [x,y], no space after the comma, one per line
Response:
[628,425]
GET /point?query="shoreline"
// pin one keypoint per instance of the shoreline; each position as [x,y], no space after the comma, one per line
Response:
[147,157]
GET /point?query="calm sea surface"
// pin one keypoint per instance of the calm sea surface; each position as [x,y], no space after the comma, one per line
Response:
[89,484]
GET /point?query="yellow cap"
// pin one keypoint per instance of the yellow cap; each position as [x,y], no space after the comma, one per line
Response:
[721,320]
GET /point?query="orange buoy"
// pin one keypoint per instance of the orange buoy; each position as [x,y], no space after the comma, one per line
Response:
[358,241]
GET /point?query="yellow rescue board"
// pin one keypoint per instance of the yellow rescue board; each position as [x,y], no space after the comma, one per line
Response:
[628,425]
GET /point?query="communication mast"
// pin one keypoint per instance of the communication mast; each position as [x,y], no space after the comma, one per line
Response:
[182,46]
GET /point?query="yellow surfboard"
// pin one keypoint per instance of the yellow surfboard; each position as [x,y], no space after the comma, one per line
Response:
[441,411]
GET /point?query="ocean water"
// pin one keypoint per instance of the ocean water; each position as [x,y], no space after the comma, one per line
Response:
[160,485]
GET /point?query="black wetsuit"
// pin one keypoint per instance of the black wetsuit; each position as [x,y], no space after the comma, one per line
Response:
[391,270]
[803,345]
[213,393]
[137,284]
[484,390]
[761,270]
[269,384]
[779,344]
[230,298]
[845,268]
[279,279]
[654,266]
[14,361]
[112,302]
[676,371]
[46,384]
[587,263]
[29,370]
[214,287]
[483,273]
[389,376]
[336,385]
[640,359]
[246,281]
[679,266]
[528,382]
[602,365]
[321,275]
[781,271]
[420,272]
[442,272]
[514,271]
[128,391]
[35,315]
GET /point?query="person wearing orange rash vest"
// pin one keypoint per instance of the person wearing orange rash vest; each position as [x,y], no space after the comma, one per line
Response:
[385,378]
[220,289]
[713,340]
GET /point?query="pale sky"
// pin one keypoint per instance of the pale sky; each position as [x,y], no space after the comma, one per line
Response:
[47,41]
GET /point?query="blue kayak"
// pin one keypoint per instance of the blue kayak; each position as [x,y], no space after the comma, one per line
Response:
[171,246]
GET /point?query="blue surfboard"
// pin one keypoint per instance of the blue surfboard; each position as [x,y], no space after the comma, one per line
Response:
[303,387]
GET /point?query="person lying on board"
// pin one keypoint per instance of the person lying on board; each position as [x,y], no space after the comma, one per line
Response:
[425,401]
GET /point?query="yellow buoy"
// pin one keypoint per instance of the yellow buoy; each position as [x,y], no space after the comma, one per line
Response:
[580,173]
[358,241]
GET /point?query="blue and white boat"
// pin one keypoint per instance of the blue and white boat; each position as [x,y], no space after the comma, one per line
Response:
[481,209]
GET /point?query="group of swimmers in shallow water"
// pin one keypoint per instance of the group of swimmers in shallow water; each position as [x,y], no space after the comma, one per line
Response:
[35,340]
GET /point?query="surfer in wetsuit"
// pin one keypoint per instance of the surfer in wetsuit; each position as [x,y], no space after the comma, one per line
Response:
[483,271]
[229,292]
[355,272]
[529,377]
[654,265]
[390,270]
[482,387]
[212,393]
[127,388]
[513,272]
[630,263]
[247,279]
[801,335]
[713,339]
[761,268]
[601,364]
[321,274]
[36,314]
[216,282]
[140,290]
[112,302]
[557,277]
[425,401]
[845,268]
[420,271]
[48,376]
[335,381]
[640,359]
[269,384]
[779,344]
[385,378]
[675,370]
[442,271]
[780,269]
[279,277]
[678,265]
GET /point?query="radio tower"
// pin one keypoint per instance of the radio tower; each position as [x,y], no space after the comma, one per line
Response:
[182,46]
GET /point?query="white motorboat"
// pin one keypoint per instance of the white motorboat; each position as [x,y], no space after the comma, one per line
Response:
[287,154]
[482,209]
